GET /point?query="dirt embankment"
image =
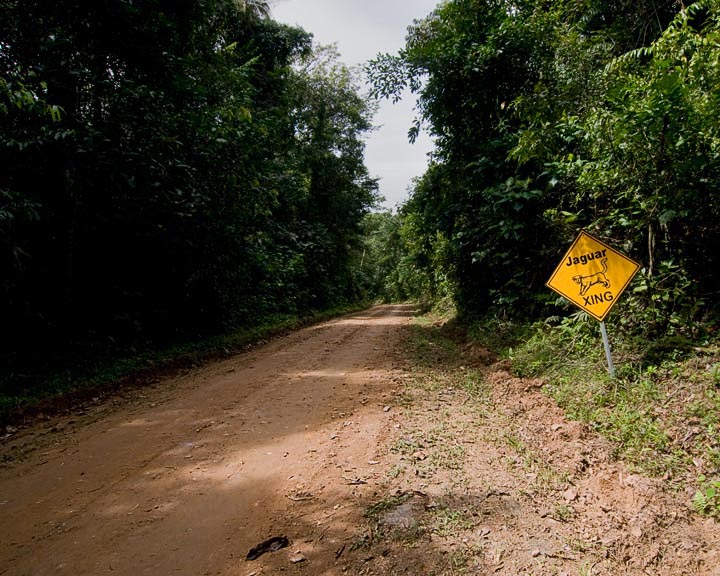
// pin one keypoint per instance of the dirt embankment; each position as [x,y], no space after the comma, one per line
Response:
[369,459]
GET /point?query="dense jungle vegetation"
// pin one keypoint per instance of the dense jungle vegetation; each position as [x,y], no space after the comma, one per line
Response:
[553,116]
[179,174]
[170,169]
[550,116]
[176,169]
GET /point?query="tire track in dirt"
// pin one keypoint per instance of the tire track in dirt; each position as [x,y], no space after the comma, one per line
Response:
[371,458]
[190,478]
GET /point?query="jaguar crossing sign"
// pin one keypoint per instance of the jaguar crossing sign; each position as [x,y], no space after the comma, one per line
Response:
[592,275]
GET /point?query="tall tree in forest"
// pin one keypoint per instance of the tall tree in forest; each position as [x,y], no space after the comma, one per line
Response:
[470,61]
[256,8]
[330,119]
[166,170]
[552,116]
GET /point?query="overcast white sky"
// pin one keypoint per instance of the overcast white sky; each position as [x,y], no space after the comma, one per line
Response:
[361,29]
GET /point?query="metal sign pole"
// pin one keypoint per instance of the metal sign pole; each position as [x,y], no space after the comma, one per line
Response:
[608,353]
[592,275]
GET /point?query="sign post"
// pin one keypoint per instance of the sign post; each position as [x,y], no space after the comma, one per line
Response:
[592,275]
[608,352]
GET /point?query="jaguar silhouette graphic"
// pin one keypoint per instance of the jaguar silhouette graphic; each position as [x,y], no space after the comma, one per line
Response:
[587,282]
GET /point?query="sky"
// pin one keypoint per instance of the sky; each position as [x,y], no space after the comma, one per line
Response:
[362,29]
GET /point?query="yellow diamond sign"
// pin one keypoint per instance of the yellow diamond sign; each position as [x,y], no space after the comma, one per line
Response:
[592,275]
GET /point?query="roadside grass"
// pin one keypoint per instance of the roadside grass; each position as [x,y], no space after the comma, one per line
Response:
[433,449]
[99,374]
[427,451]
[545,476]
[434,344]
[661,412]
[461,561]
[374,511]
[408,531]
[707,497]
[450,521]
[451,371]
[409,520]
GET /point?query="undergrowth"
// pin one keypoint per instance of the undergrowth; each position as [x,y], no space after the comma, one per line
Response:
[661,412]
[98,375]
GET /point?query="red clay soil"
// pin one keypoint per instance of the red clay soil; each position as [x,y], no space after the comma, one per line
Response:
[366,459]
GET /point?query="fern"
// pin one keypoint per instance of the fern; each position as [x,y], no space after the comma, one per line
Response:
[707,500]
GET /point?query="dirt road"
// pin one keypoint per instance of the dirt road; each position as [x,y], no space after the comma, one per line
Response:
[369,460]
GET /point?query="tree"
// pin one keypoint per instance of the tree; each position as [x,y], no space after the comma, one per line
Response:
[553,116]
[470,61]
[167,172]
[256,8]
[650,163]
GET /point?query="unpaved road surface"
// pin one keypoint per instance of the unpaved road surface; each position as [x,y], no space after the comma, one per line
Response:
[369,457]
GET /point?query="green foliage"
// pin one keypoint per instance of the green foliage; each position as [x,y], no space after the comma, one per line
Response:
[707,499]
[170,169]
[395,266]
[651,155]
[550,117]
[660,413]
[471,60]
